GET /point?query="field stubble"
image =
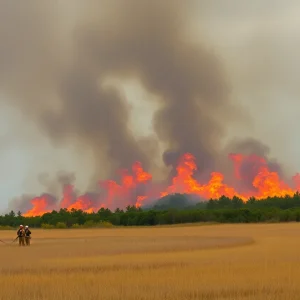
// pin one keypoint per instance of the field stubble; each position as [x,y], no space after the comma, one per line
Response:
[258,261]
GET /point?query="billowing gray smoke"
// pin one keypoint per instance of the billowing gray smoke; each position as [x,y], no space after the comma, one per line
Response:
[61,86]
[147,39]
[57,76]
[54,185]
[51,185]
[254,151]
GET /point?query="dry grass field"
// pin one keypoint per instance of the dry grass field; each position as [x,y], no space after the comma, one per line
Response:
[231,262]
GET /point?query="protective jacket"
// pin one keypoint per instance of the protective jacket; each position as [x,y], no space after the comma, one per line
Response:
[21,232]
[27,232]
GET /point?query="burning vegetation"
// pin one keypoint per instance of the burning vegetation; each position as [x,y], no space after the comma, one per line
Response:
[138,188]
[157,45]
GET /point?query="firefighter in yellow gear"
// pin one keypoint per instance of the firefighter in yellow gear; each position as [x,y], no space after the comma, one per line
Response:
[27,236]
[21,235]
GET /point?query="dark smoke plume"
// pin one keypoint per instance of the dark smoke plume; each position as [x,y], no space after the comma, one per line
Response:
[148,40]
[251,146]
[58,78]
[142,39]
[21,203]
[56,184]
[250,166]
[53,188]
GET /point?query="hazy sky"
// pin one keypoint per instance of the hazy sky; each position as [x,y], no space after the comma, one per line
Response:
[258,44]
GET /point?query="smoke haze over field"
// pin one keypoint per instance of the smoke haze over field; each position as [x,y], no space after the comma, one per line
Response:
[60,62]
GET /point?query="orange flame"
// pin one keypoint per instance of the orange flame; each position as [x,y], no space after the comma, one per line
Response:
[132,187]
[269,185]
[39,207]
[237,159]
[83,203]
[68,195]
[140,200]
[185,183]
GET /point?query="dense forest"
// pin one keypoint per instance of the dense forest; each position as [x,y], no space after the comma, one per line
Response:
[173,209]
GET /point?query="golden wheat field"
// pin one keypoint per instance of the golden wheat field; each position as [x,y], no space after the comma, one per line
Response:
[259,261]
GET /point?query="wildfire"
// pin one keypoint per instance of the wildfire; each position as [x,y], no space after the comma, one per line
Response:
[136,187]
[39,207]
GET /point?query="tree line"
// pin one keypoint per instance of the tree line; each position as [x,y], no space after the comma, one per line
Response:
[172,209]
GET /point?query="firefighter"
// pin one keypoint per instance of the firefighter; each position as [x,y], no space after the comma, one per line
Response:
[21,235]
[27,235]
